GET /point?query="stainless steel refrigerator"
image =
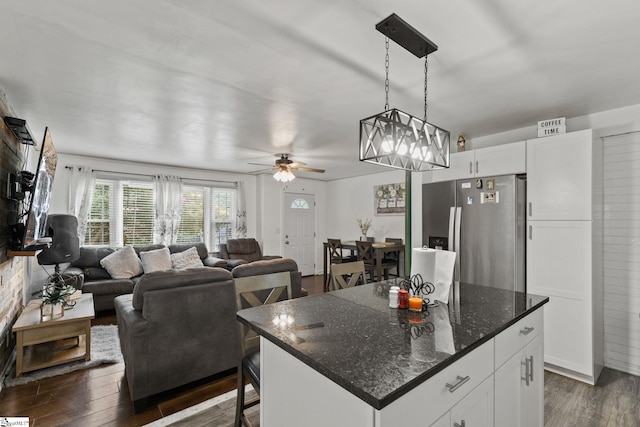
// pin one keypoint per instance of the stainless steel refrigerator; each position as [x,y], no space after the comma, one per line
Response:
[483,220]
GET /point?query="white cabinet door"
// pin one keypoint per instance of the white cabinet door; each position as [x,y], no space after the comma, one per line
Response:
[508,391]
[501,160]
[559,177]
[444,421]
[559,266]
[460,167]
[532,414]
[476,409]
[519,388]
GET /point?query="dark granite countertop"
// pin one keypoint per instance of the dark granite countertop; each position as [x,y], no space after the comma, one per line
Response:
[378,353]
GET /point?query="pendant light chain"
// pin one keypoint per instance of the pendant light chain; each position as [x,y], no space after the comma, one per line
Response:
[386,79]
[426,69]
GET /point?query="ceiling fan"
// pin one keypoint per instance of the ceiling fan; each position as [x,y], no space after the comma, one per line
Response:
[284,168]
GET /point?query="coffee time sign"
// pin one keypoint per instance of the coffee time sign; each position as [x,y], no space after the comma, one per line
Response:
[551,127]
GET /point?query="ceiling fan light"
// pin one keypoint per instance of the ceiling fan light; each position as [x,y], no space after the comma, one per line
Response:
[283,176]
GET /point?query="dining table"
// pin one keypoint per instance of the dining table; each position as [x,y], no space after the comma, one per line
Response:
[379,250]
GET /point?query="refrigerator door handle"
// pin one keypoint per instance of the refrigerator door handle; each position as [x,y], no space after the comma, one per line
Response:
[452,219]
[457,233]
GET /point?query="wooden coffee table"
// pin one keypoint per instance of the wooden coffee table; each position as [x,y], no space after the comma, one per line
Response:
[44,343]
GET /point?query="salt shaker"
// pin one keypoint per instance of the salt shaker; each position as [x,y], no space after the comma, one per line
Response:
[393,297]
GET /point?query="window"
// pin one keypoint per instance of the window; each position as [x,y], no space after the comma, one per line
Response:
[122,213]
[191,227]
[137,213]
[98,224]
[299,204]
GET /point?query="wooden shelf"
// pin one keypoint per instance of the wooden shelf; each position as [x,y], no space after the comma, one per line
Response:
[22,253]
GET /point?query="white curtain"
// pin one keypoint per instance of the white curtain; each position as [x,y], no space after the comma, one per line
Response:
[168,206]
[81,184]
[241,212]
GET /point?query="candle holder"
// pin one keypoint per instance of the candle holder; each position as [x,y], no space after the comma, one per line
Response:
[418,291]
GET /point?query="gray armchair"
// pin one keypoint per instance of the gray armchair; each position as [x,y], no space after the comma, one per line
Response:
[177,327]
[242,251]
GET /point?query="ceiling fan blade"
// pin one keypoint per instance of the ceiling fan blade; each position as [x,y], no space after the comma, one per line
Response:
[309,169]
[260,164]
[296,164]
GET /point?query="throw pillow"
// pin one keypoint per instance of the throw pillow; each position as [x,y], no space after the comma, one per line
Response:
[122,264]
[186,259]
[156,260]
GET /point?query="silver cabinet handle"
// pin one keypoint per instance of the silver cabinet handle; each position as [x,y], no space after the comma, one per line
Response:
[459,425]
[470,168]
[458,384]
[531,232]
[527,330]
[530,360]
[476,166]
[530,208]
[526,371]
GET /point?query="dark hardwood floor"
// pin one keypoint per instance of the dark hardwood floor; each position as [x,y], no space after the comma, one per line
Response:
[100,397]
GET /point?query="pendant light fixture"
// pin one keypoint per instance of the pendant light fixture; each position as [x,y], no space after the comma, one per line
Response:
[397,139]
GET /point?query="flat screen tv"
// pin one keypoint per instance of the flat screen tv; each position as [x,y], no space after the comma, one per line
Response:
[36,223]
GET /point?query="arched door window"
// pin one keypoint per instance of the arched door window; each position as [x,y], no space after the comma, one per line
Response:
[299,204]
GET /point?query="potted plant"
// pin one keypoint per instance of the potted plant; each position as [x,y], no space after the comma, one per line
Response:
[55,298]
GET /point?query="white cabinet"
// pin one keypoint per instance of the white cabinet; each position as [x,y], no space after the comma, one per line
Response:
[519,387]
[564,249]
[498,160]
[475,409]
[559,174]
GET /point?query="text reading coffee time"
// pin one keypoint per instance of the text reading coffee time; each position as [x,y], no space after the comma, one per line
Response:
[551,127]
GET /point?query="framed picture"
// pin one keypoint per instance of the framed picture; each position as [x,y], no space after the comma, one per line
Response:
[389,199]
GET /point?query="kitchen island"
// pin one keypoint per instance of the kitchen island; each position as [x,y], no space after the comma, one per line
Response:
[346,358]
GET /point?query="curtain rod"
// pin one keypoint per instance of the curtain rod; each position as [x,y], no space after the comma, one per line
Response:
[151,176]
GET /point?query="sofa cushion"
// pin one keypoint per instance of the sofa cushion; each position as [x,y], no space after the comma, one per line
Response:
[91,256]
[122,264]
[258,268]
[203,252]
[156,260]
[186,259]
[147,248]
[173,278]
[247,249]
[108,287]
[95,273]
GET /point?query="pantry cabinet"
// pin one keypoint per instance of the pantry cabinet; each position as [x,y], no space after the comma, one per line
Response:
[564,249]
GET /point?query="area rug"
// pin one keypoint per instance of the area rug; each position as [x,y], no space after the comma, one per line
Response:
[105,348]
[219,411]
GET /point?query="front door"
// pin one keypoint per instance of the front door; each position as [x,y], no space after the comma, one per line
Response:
[299,230]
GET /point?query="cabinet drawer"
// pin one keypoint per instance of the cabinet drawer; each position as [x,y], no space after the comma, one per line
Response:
[434,397]
[509,341]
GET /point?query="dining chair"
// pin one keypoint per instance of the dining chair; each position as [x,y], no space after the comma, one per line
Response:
[366,254]
[255,291]
[335,252]
[393,258]
[347,275]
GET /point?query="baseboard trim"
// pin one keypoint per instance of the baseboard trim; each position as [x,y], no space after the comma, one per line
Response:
[570,374]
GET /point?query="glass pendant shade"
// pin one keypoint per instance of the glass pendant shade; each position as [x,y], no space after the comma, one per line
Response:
[396,139]
[284,175]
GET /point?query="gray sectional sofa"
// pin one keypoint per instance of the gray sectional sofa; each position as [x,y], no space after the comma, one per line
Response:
[90,277]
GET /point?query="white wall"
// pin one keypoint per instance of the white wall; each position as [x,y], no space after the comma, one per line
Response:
[353,198]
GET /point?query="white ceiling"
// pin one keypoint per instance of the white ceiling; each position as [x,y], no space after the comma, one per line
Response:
[219,84]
